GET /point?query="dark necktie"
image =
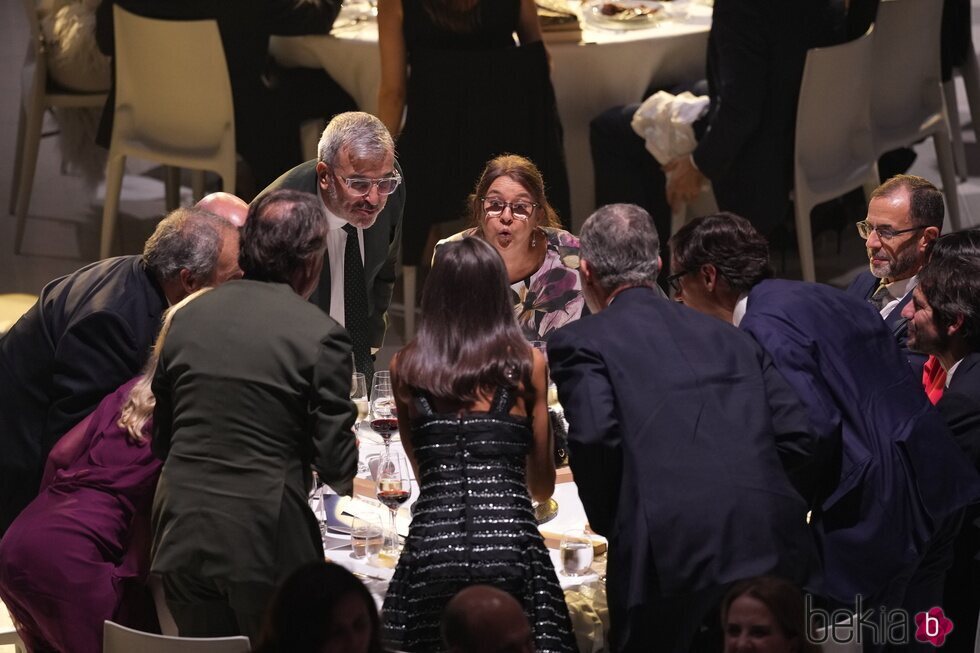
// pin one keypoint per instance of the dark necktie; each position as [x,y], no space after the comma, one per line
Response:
[880,297]
[356,304]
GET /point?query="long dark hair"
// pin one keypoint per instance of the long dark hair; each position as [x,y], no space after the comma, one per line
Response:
[468,341]
[300,615]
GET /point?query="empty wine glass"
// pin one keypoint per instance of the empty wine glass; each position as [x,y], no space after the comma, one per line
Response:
[359,395]
[366,537]
[576,552]
[394,487]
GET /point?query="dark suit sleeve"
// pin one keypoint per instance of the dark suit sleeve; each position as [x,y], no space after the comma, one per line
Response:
[962,414]
[384,282]
[93,358]
[801,452]
[335,449]
[794,356]
[738,104]
[594,440]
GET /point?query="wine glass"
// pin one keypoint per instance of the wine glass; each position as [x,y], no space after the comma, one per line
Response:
[384,415]
[394,486]
[317,505]
[359,395]
[576,552]
[542,346]
[366,537]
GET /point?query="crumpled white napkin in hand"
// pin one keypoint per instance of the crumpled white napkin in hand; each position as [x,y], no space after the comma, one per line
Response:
[665,122]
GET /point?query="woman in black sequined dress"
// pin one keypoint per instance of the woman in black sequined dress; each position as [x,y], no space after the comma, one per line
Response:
[472,411]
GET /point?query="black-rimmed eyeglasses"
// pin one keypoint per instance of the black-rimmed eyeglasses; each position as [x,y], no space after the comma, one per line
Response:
[674,281]
[884,233]
[521,210]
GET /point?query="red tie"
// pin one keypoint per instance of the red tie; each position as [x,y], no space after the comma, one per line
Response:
[933,379]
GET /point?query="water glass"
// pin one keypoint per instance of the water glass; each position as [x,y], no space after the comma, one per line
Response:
[366,537]
[359,395]
[576,552]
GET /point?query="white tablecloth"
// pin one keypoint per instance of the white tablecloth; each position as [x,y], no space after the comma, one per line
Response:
[606,69]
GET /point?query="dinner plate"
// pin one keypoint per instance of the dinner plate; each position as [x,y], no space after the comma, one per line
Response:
[623,14]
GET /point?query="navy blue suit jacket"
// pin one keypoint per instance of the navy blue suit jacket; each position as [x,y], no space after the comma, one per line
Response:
[673,446]
[900,472]
[863,286]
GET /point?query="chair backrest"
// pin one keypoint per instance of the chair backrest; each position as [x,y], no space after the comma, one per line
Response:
[833,125]
[119,639]
[829,645]
[906,87]
[172,85]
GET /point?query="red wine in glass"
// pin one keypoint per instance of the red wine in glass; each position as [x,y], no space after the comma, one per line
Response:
[385,427]
[393,498]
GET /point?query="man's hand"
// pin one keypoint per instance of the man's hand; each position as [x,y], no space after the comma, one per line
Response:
[684,181]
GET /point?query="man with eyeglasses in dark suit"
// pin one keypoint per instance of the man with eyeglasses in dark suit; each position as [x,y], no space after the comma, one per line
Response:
[360,185]
[905,216]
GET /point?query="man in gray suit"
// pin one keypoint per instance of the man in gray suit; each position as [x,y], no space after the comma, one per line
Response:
[359,183]
[252,389]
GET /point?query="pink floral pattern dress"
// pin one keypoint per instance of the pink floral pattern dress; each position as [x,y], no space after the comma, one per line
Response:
[552,296]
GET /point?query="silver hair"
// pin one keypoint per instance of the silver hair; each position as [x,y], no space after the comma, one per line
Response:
[621,245]
[364,136]
[187,238]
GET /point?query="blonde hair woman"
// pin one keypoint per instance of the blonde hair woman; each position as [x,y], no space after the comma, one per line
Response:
[79,553]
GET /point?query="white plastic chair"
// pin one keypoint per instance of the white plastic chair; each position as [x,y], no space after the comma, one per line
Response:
[38,94]
[907,102]
[830,646]
[834,150]
[970,72]
[173,104]
[119,639]
[9,637]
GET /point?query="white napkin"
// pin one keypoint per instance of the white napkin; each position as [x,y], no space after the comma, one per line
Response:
[665,122]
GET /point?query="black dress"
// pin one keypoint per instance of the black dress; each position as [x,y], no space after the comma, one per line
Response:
[471,96]
[473,524]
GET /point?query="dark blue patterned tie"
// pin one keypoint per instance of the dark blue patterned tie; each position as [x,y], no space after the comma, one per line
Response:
[356,304]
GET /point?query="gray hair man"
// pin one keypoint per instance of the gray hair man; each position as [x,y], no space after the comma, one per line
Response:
[90,332]
[360,185]
[241,416]
[663,403]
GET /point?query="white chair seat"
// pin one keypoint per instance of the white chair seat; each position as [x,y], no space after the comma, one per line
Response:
[119,639]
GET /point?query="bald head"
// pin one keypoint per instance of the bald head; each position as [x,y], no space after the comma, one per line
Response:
[484,619]
[230,207]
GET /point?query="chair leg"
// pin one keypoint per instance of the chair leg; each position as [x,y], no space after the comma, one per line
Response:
[171,188]
[409,273]
[197,184]
[804,239]
[28,162]
[113,187]
[944,154]
[971,79]
[955,131]
[18,158]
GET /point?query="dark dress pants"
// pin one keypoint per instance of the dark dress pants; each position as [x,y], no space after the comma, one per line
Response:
[204,607]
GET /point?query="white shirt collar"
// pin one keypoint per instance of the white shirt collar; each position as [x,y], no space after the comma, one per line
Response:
[740,306]
[951,371]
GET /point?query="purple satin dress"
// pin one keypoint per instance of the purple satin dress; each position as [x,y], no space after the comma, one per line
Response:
[79,553]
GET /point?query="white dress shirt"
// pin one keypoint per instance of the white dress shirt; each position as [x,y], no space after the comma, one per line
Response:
[951,370]
[336,246]
[739,311]
[896,291]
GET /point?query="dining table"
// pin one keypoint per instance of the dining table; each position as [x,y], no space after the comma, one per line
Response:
[600,65]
